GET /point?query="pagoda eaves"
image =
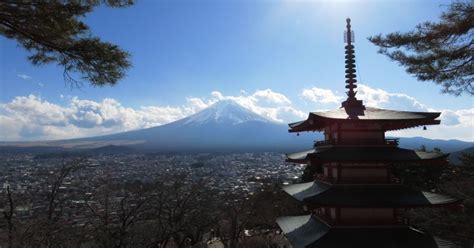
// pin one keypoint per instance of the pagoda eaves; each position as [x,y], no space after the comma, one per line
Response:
[364,154]
[310,232]
[382,119]
[320,194]
[356,200]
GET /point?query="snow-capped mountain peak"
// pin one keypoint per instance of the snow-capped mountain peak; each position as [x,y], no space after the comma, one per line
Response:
[226,111]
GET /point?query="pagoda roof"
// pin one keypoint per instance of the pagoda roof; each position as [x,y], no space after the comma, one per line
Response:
[363,153]
[307,232]
[360,196]
[392,119]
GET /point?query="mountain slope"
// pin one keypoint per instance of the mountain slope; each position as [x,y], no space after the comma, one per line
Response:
[446,146]
[454,157]
[224,126]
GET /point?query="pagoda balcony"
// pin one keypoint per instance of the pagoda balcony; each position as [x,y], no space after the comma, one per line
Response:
[357,142]
[397,221]
[354,180]
[360,180]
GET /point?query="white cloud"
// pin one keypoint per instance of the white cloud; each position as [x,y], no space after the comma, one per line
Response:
[156,115]
[9,128]
[455,124]
[319,95]
[195,104]
[272,105]
[32,108]
[271,97]
[372,97]
[33,118]
[379,98]
[24,76]
[452,118]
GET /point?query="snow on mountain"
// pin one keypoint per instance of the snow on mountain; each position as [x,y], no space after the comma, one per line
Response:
[225,112]
[223,126]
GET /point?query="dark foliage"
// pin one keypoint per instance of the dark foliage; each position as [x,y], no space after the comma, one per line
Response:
[310,172]
[53,32]
[467,160]
[422,177]
[451,223]
[440,52]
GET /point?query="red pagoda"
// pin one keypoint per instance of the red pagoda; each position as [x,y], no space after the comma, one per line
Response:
[354,200]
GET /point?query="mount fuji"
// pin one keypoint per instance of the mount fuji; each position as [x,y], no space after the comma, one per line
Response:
[223,126]
[226,112]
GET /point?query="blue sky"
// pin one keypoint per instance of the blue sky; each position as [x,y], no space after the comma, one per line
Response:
[278,58]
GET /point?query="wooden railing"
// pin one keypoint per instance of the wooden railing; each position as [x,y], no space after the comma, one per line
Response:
[392,180]
[355,142]
[358,222]
[355,180]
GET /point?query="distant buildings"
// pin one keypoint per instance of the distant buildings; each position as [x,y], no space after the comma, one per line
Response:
[241,173]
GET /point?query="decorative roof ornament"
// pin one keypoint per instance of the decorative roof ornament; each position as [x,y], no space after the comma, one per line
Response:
[350,69]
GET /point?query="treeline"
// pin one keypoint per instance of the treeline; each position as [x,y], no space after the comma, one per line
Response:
[453,224]
[174,211]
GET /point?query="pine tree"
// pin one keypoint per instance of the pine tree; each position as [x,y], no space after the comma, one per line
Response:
[441,52]
[53,33]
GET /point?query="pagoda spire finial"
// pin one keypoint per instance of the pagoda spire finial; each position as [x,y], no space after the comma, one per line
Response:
[350,68]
